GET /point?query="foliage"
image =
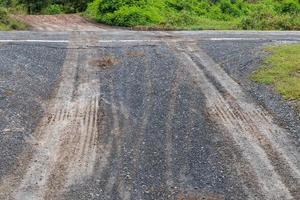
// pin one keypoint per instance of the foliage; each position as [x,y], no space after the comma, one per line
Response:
[92,10]
[53,9]
[276,17]
[51,6]
[133,16]
[3,15]
[289,6]
[233,14]
[262,15]
[282,70]
[7,23]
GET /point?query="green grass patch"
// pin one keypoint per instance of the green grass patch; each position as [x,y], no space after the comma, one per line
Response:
[12,24]
[282,70]
[8,23]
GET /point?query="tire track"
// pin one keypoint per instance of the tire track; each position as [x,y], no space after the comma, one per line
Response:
[71,129]
[175,90]
[34,182]
[116,134]
[258,123]
[228,106]
[148,102]
[115,187]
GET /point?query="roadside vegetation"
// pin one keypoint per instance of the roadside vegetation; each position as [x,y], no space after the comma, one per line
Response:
[173,14]
[282,70]
[198,14]
[6,21]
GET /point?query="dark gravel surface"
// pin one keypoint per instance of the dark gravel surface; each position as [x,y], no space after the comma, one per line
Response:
[136,118]
[241,58]
[201,160]
[27,77]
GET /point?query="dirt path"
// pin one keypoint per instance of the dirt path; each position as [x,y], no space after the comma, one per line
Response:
[264,144]
[70,22]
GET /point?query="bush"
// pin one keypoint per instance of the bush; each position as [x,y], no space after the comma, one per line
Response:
[133,16]
[203,8]
[92,10]
[290,7]
[53,9]
[179,5]
[216,13]
[265,18]
[229,8]
[7,23]
[192,6]
[246,14]
[110,6]
[4,16]
[16,25]
[181,19]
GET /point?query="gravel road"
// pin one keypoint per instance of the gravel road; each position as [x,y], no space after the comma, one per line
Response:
[102,113]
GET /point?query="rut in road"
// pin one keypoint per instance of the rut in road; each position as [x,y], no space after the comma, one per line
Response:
[66,150]
[264,144]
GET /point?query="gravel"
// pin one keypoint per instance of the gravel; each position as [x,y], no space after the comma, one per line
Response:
[241,58]
[28,74]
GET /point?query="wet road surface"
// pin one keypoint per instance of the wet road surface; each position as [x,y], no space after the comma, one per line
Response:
[117,114]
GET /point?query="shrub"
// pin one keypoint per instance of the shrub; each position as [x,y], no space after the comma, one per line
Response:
[7,23]
[246,14]
[229,8]
[92,10]
[216,13]
[194,7]
[203,8]
[133,16]
[265,18]
[53,9]
[290,7]
[16,25]
[3,16]
[179,5]
[110,6]
[180,19]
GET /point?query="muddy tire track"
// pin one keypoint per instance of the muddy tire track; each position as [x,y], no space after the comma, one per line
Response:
[264,144]
[66,138]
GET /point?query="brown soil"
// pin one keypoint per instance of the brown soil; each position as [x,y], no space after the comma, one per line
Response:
[104,63]
[65,22]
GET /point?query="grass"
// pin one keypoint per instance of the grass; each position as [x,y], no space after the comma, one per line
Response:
[202,24]
[210,24]
[13,25]
[9,23]
[282,70]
